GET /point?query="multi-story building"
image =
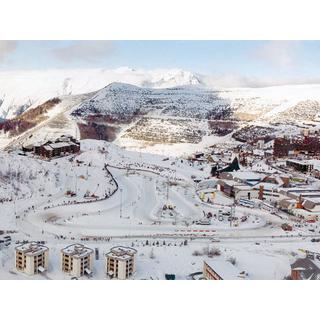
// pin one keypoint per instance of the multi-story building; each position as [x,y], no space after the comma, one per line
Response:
[121,262]
[221,270]
[32,258]
[284,147]
[77,260]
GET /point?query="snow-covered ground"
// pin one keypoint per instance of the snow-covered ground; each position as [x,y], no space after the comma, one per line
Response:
[266,261]
[128,209]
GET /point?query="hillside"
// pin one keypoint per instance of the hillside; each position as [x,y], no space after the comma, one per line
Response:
[20,90]
[123,102]
[140,117]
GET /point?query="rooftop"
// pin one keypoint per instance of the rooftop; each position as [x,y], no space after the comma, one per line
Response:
[121,252]
[31,248]
[267,186]
[224,269]
[61,144]
[302,162]
[247,175]
[77,250]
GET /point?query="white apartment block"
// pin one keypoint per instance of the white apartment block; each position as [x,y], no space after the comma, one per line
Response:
[121,262]
[32,258]
[77,260]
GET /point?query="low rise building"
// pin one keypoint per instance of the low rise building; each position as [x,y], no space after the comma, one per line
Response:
[237,190]
[299,165]
[246,177]
[32,258]
[221,270]
[245,192]
[121,262]
[77,260]
[60,147]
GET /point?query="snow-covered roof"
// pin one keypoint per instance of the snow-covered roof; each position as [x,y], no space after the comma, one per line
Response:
[302,162]
[77,251]
[224,269]
[267,186]
[303,192]
[243,187]
[246,175]
[61,144]
[230,182]
[307,269]
[32,248]
[122,253]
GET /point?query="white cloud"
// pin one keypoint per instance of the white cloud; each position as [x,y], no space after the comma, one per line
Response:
[236,80]
[6,48]
[89,51]
[278,54]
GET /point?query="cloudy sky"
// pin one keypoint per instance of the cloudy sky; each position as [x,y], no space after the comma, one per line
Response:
[241,62]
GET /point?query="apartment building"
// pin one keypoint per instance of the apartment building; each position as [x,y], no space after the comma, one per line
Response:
[32,258]
[221,270]
[121,262]
[77,260]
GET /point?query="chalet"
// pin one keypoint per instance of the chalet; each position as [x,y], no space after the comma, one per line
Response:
[62,146]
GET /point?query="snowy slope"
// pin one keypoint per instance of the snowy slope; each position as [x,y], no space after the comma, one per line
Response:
[22,89]
[24,177]
[175,106]
[267,103]
[123,101]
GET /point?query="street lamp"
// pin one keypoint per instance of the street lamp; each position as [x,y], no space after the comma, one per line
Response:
[121,203]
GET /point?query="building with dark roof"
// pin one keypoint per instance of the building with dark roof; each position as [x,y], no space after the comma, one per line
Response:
[304,269]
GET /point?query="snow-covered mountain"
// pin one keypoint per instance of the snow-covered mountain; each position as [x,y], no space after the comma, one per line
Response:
[159,106]
[123,101]
[20,90]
